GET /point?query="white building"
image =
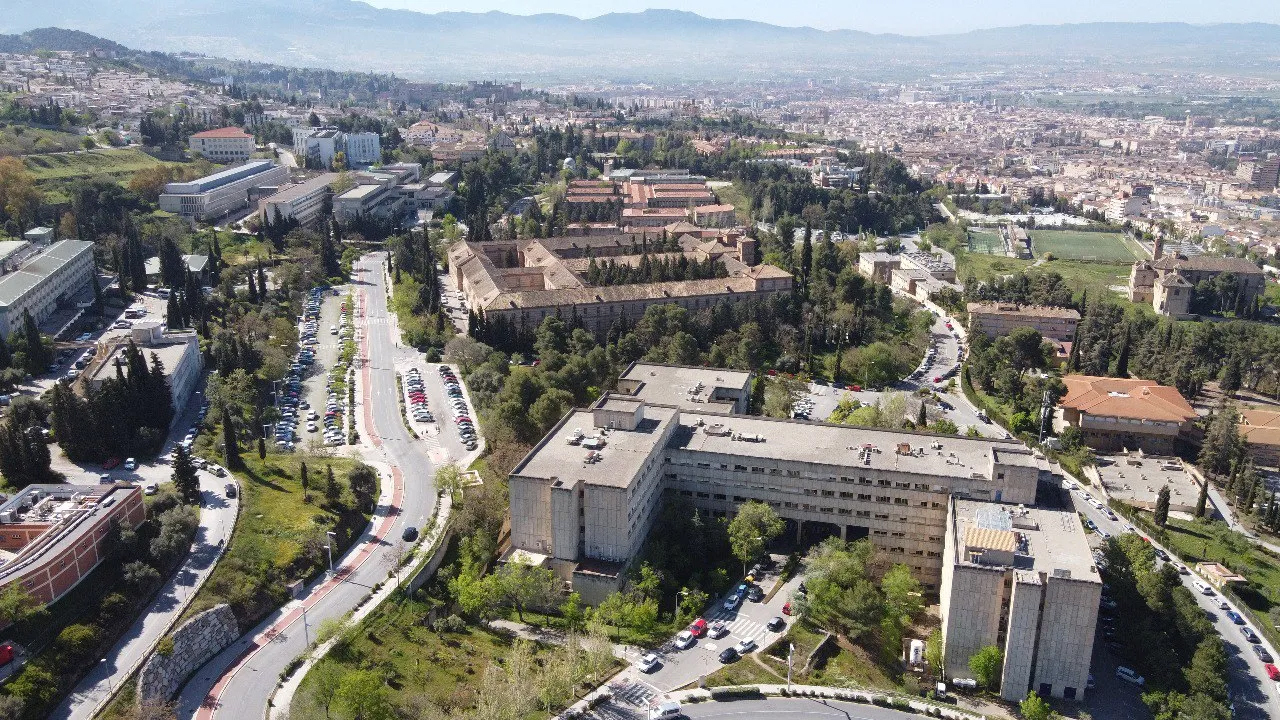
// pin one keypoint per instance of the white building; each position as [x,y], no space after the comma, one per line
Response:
[179,353]
[301,202]
[222,192]
[363,148]
[60,273]
[223,145]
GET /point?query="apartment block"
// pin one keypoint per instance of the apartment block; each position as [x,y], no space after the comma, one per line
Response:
[223,145]
[52,536]
[586,493]
[46,282]
[1023,580]
[997,319]
[216,195]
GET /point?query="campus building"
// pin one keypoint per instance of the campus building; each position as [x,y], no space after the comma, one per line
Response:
[43,284]
[715,389]
[301,203]
[178,352]
[583,499]
[52,536]
[216,195]
[1023,580]
[1168,282]
[525,282]
[319,145]
[1117,414]
[223,145]
[995,319]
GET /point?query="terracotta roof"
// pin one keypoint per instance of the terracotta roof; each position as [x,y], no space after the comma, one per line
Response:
[1035,311]
[1125,398]
[1259,426]
[1204,263]
[226,132]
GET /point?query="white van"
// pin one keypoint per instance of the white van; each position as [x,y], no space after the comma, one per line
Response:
[1202,588]
[668,709]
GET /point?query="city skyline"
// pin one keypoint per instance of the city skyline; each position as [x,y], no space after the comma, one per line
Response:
[912,17]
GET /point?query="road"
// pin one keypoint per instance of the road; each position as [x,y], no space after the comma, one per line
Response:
[791,709]
[238,682]
[1255,696]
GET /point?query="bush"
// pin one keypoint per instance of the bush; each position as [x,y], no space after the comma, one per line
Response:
[745,692]
[164,648]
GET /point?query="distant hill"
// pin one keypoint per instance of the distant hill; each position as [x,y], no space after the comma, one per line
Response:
[58,39]
[651,45]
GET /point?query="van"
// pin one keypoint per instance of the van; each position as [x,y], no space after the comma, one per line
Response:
[1201,587]
[668,709]
[1130,676]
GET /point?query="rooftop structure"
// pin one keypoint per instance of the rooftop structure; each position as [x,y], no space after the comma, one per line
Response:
[1125,413]
[301,202]
[1022,579]
[1260,429]
[688,388]
[223,145]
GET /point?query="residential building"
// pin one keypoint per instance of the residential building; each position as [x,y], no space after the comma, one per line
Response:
[317,146]
[53,536]
[1125,413]
[1260,174]
[223,192]
[302,202]
[43,284]
[878,265]
[1023,580]
[362,148]
[995,319]
[223,145]
[584,497]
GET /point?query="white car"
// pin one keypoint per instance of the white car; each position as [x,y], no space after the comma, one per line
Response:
[648,663]
[746,646]
[312,427]
[685,640]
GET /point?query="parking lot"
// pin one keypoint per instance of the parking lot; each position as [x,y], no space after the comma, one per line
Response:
[308,400]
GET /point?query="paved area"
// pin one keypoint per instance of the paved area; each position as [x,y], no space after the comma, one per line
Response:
[1137,481]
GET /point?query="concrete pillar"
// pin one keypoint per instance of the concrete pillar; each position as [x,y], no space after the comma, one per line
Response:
[799,531]
[844,532]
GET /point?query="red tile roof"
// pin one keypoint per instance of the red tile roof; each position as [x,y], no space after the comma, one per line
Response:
[226,132]
[1125,398]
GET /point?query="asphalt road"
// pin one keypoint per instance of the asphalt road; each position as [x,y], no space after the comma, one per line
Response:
[1255,695]
[237,683]
[774,709]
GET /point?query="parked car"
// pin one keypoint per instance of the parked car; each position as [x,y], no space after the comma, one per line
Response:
[745,646]
[685,640]
[1234,617]
[728,655]
[776,624]
[698,627]
[1130,676]
[1262,653]
[1249,634]
[717,629]
[648,663]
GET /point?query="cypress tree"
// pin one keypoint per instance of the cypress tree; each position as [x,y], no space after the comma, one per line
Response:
[1203,499]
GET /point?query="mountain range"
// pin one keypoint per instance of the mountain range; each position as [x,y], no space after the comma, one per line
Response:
[654,45]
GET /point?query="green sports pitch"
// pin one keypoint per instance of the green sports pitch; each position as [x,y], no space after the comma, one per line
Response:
[987,243]
[1080,245]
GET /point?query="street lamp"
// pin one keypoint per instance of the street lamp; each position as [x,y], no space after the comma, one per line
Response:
[332,538]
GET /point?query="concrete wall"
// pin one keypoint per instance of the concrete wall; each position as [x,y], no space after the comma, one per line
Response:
[531,513]
[194,642]
[1020,635]
[972,618]
[1066,635]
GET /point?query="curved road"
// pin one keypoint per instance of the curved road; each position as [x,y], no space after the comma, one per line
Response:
[238,682]
[792,709]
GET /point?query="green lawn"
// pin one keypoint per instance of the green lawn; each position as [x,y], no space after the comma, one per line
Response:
[116,163]
[1080,245]
[733,195]
[1096,277]
[985,243]
[275,531]
[25,140]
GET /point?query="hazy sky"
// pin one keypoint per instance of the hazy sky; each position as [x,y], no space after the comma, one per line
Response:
[911,17]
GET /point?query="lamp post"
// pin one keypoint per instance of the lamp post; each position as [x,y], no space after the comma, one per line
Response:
[332,538]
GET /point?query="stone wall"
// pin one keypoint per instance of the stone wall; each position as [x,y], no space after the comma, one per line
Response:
[194,643]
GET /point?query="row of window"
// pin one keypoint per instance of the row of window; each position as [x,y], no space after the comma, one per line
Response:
[860,480]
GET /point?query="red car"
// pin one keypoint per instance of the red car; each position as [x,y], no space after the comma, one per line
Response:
[698,628]
[786,609]
[856,388]
[111,463]
[937,378]
[1272,671]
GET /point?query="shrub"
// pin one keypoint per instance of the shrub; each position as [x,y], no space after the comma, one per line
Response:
[164,648]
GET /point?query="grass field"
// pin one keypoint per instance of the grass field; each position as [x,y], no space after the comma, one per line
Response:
[985,243]
[1096,277]
[116,163]
[1078,245]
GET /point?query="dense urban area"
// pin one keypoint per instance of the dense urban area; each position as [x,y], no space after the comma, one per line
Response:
[337,394]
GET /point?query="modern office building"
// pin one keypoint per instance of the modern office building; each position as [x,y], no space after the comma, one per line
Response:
[216,195]
[363,148]
[52,536]
[223,145]
[996,319]
[1023,580]
[583,499]
[45,282]
[319,145]
[1126,413]
[301,202]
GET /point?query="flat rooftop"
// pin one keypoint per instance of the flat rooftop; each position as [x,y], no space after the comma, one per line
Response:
[14,285]
[219,179]
[302,189]
[1047,541]
[681,385]
[1014,310]
[360,192]
[620,456]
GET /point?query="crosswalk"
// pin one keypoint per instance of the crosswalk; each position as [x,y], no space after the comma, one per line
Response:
[740,627]
[635,692]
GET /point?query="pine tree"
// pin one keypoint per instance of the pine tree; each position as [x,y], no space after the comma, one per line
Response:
[332,490]
[922,418]
[185,479]
[1162,507]
[262,280]
[253,291]
[231,446]
[305,481]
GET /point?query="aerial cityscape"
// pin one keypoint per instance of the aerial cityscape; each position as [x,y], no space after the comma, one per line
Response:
[509,361]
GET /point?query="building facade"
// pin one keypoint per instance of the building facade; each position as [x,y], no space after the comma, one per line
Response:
[1125,413]
[996,319]
[223,145]
[216,195]
[301,203]
[43,284]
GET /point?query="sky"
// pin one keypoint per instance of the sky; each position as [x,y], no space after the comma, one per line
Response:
[907,17]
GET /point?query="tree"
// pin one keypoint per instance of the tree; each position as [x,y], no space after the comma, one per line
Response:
[448,480]
[231,446]
[945,426]
[1202,500]
[1162,506]
[305,482]
[1034,708]
[362,695]
[933,652]
[755,525]
[140,577]
[332,490]
[18,604]
[902,594]
[363,481]
[986,666]
[522,587]
[185,479]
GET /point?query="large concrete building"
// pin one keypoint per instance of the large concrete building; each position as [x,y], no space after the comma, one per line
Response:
[525,282]
[216,195]
[691,387]
[996,319]
[223,145]
[1125,413]
[1023,580]
[52,536]
[301,202]
[584,497]
[178,352]
[320,145]
[43,284]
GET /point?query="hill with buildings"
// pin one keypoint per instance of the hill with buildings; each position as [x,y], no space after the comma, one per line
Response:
[650,45]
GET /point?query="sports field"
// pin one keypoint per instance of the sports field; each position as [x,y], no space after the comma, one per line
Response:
[986,243]
[1079,245]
